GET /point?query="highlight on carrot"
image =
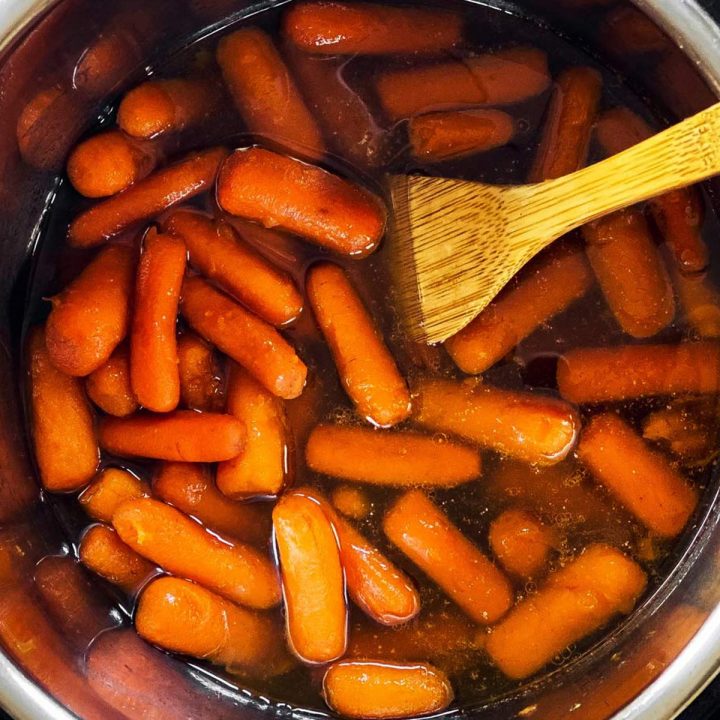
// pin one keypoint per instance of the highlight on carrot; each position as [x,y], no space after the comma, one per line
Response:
[90,317]
[110,489]
[169,186]
[183,435]
[153,347]
[279,191]
[109,386]
[521,542]
[312,577]
[201,386]
[367,370]
[351,501]
[545,288]
[339,28]
[402,459]
[572,603]
[640,478]
[184,548]
[66,449]
[220,255]
[425,534]
[624,372]
[381,689]
[244,337]
[499,78]
[530,427]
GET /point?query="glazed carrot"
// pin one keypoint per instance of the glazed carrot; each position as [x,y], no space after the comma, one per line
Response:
[183,435]
[110,489]
[403,459]
[641,479]
[109,386]
[574,602]
[90,317]
[542,290]
[221,256]
[282,192]
[630,272]
[66,449]
[107,163]
[201,386]
[379,689]
[367,369]
[182,617]
[265,94]
[164,188]
[189,487]
[313,583]
[247,339]
[161,106]
[533,428]
[103,552]
[520,542]
[424,533]
[184,548]
[351,502]
[628,31]
[595,375]
[153,348]
[500,78]
[338,28]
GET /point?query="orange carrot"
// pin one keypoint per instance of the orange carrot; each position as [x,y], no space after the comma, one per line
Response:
[545,288]
[313,583]
[184,548]
[338,28]
[157,192]
[530,427]
[265,94]
[109,386]
[247,339]
[90,317]
[425,534]
[379,689]
[520,542]
[596,375]
[110,489]
[66,449]
[366,367]
[500,78]
[201,386]
[628,31]
[574,602]
[282,192]
[351,502]
[217,252]
[183,435]
[153,348]
[399,458]
[641,479]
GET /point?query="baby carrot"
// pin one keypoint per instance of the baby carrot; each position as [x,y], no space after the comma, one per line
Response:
[403,459]
[184,548]
[107,163]
[110,489]
[90,317]
[183,435]
[520,542]
[164,188]
[221,256]
[279,191]
[265,93]
[596,375]
[380,689]
[534,428]
[367,369]
[153,348]
[500,78]
[351,502]
[201,386]
[247,339]
[66,449]
[628,31]
[641,479]
[338,28]
[189,487]
[574,602]
[545,288]
[109,386]
[312,576]
[424,533]
[699,299]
